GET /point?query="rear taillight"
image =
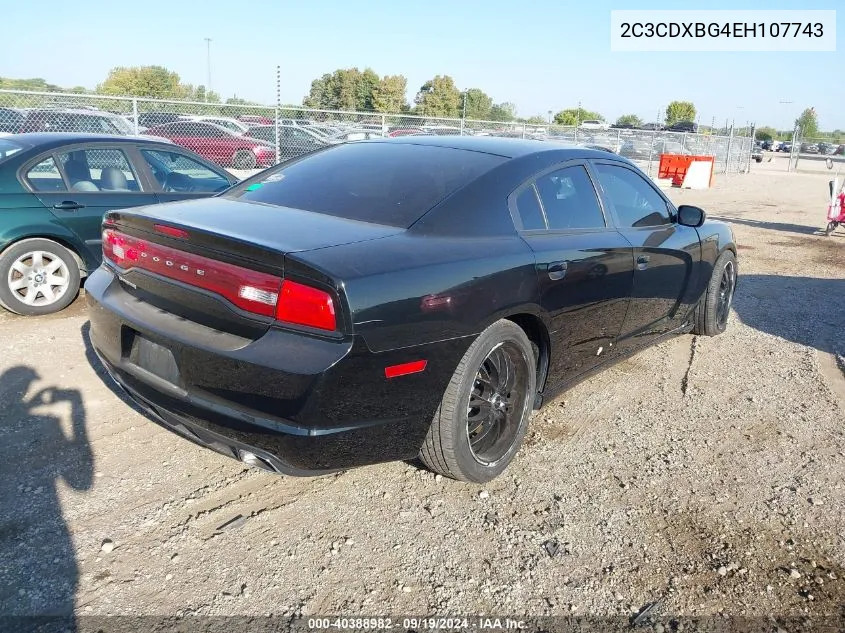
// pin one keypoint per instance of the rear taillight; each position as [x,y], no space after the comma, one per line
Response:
[250,290]
[305,305]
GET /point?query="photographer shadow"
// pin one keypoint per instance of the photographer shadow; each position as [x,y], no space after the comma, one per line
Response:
[40,444]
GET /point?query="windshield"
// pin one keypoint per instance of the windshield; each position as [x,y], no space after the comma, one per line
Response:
[382,183]
[123,126]
[9,147]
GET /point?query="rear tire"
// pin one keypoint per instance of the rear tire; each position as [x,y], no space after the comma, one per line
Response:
[711,315]
[37,277]
[831,227]
[244,159]
[483,416]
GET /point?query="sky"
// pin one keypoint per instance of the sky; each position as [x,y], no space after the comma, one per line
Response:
[539,54]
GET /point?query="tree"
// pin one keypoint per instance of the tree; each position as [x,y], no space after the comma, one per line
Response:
[629,119]
[439,97]
[573,116]
[502,112]
[765,133]
[344,89]
[35,84]
[808,123]
[680,111]
[389,94]
[199,94]
[144,81]
[478,104]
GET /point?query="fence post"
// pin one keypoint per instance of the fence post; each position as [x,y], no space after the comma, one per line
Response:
[796,137]
[651,150]
[462,127]
[276,124]
[384,125]
[750,149]
[523,130]
[730,148]
[135,114]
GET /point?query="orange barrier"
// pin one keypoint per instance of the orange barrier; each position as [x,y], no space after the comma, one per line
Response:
[675,166]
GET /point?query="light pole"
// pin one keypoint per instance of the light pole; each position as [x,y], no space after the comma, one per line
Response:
[578,114]
[208,64]
[464,116]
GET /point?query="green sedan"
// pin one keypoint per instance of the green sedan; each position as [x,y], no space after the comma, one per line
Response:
[55,188]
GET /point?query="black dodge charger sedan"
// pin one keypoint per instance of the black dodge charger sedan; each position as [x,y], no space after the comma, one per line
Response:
[394,298]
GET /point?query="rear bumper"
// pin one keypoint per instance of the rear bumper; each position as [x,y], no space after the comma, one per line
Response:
[301,405]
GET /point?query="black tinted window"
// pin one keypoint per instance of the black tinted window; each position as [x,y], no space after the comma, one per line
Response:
[529,210]
[383,183]
[636,202]
[569,199]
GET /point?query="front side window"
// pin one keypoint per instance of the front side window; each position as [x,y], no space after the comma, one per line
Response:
[636,202]
[569,199]
[177,172]
[106,170]
[45,177]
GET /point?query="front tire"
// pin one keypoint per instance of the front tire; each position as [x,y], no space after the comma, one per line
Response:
[711,315]
[37,277]
[831,227]
[483,416]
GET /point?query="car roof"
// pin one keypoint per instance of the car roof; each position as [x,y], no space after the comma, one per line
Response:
[48,139]
[82,111]
[499,146]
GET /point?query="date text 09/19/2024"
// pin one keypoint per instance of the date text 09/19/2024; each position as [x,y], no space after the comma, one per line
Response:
[417,623]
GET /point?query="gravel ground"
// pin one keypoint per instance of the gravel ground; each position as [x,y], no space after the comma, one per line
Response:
[704,474]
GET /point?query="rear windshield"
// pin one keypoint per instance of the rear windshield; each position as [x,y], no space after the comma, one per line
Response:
[382,183]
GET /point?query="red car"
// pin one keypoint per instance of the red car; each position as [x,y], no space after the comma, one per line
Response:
[217,144]
[255,119]
[406,131]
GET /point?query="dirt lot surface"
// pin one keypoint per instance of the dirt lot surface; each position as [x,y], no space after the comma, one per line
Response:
[705,474]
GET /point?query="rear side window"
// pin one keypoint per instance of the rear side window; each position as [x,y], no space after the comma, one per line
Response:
[45,177]
[529,210]
[382,183]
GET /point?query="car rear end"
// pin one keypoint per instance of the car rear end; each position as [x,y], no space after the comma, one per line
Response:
[222,339]
[218,318]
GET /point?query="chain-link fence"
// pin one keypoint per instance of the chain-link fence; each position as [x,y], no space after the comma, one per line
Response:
[248,137]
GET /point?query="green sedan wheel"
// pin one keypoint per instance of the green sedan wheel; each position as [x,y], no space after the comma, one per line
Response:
[37,277]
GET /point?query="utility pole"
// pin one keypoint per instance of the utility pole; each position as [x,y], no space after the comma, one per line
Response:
[208,64]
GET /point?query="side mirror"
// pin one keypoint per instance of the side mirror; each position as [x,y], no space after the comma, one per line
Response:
[689,215]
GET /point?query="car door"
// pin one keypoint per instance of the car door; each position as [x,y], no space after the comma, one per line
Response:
[86,181]
[584,266]
[179,176]
[666,254]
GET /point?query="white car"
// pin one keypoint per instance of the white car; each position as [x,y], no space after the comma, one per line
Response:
[233,125]
[594,125]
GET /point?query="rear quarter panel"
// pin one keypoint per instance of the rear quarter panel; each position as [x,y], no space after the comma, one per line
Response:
[408,290]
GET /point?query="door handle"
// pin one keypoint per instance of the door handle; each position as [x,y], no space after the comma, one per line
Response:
[557,270]
[68,205]
[642,262]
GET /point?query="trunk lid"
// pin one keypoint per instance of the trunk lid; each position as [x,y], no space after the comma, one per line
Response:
[197,242]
